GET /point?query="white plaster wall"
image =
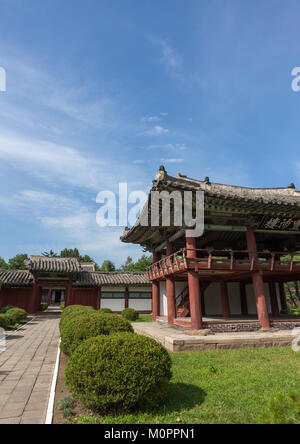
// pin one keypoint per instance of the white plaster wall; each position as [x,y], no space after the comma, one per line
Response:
[113,304]
[163,299]
[179,287]
[212,300]
[234,298]
[141,304]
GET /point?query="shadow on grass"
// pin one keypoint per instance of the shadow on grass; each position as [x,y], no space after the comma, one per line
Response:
[183,397]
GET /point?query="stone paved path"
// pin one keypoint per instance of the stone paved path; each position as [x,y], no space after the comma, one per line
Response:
[26,372]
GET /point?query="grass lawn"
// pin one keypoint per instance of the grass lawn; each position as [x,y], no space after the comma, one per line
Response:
[147,318]
[230,386]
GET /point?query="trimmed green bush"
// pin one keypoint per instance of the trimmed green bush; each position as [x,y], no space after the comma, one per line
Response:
[72,312]
[17,316]
[44,306]
[283,409]
[62,306]
[8,307]
[130,314]
[4,321]
[89,325]
[119,372]
[105,311]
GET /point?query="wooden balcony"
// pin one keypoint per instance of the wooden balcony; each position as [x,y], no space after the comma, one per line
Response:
[224,261]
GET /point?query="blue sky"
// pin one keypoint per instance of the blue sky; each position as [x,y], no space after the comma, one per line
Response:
[105,91]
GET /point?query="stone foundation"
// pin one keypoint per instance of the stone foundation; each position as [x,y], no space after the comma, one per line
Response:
[248,326]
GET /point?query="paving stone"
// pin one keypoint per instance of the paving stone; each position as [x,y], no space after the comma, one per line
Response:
[26,370]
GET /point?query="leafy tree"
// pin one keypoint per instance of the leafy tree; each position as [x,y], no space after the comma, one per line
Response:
[85,258]
[69,252]
[3,264]
[143,263]
[17,262]
[49,254]
[140,265]
[108,266]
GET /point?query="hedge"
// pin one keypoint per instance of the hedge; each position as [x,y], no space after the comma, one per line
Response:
[71,312]
[89,325]
[4,321]
[120,372]
[17,316]
[130,314]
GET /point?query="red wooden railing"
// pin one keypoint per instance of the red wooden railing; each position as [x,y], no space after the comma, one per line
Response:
[225,260]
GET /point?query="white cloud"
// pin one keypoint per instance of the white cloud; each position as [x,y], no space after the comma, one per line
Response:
[172,160]
[170,146]
[52,162]
[151,119]
[171,58]
[81,229]
[157,131]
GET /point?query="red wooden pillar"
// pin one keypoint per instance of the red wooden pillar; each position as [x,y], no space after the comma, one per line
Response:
[35,300]
[126,297]
[155,300]
[194,287]
[170,290]
[258,284]
[225,300]
[274,300]
[155,291]
[69,292]
[243,296]
[284,306]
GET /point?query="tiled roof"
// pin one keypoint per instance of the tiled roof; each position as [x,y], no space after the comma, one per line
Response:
[283,202]
[57,265]
[99,278]
[16,277]
[96,279]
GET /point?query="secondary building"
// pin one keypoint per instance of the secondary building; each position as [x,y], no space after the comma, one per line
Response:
[56,280]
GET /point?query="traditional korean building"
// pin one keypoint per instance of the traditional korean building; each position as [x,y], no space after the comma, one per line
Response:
[56,280]
[237,268]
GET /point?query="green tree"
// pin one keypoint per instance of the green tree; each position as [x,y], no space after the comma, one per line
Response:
[140,265]
[51,253]
[143,263]
[70,252]
[108,266]
[85,258]
[129,265]
[17,262]
[3,264]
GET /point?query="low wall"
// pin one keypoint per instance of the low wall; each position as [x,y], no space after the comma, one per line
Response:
[18,297]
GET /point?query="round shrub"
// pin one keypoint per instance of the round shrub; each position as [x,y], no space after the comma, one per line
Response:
[4,321]
[89,325]
[17,316]
[44,306]
[4,310]
[130,314]
[72,312]
[105,311]
[119,372]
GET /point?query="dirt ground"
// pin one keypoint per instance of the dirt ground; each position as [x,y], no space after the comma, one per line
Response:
[62,392]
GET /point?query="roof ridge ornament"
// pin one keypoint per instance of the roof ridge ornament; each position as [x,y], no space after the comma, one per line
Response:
[161,175]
